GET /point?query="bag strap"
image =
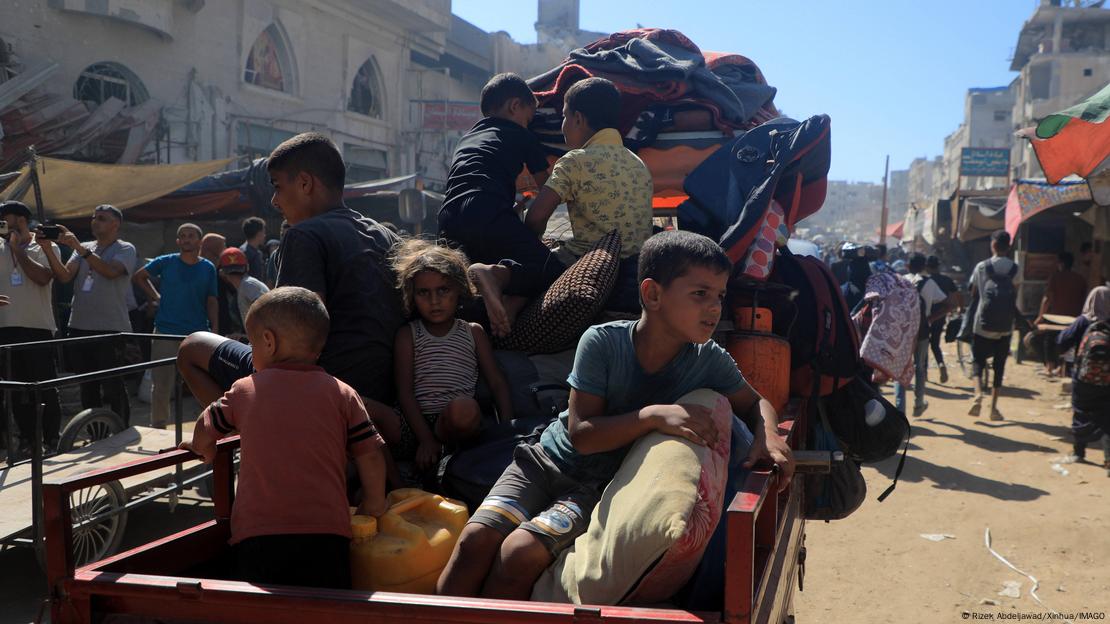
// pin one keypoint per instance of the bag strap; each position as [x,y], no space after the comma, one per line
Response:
[897,471]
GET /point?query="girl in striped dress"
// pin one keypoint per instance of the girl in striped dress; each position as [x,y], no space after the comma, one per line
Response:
[437,357]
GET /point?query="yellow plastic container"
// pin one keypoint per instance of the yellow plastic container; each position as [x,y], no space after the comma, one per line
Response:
[406,549]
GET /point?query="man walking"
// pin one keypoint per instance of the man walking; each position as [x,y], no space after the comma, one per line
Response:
[185,301]
[102,269]
[254,231]
[935,306]
[936,329]
[25,279]
[992,282]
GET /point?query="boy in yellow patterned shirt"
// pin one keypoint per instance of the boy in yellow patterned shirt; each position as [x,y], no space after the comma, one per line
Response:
[605,187]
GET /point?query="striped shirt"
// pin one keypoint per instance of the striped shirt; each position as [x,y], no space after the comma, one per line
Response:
[444,367]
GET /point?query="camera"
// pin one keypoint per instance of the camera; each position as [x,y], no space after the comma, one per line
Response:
[3,228]
[852,251]
[50,232]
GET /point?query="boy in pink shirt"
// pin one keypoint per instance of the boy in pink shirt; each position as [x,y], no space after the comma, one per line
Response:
[290,523]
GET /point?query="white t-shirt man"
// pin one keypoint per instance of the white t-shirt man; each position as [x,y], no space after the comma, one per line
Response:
[31,305]
[930,292]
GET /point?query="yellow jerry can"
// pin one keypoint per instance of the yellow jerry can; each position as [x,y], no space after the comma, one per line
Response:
[406,548]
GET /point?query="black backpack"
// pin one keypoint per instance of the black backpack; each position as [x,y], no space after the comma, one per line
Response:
[824,343]
[998,301]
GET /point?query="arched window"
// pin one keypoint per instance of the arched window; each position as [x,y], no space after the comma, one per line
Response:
[269,64]
[101,81]
[366,91]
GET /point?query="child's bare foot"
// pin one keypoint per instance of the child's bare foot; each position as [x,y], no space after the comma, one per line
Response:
[489,286]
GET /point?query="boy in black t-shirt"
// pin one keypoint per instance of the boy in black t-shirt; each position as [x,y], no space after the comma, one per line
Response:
[936,329]
[333,251]
[479,208]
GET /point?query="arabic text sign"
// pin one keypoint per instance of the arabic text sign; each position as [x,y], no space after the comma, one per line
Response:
[985,161]
[451,116]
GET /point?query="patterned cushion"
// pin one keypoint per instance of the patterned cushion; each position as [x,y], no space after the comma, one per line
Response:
[556,322]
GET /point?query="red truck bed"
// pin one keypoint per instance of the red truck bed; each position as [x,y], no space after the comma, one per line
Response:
[182,577]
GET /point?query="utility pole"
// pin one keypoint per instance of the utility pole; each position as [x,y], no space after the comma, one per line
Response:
[882,224]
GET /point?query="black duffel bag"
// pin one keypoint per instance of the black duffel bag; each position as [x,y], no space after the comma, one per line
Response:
[468,475]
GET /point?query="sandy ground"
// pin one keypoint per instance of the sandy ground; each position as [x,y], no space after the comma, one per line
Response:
[962,477]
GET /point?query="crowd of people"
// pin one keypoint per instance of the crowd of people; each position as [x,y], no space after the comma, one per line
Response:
[1066,333]
[202,286]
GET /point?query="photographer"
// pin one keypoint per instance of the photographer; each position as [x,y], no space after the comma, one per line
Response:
[26,280]
[102,268]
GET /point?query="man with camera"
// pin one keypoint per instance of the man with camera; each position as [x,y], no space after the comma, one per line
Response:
[102,268]
[25,279]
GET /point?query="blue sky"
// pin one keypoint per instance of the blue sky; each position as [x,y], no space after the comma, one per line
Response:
[892,75]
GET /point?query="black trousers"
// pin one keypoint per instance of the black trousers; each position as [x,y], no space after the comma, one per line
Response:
[936,332]
[983,349]
[32,365]
[1051,353]
[98,356]
[490,232]
[308,560]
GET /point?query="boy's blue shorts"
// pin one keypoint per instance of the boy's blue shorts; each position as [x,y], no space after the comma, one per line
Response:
[230,362]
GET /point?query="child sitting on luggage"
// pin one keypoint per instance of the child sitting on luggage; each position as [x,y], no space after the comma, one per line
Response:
[605,187]
[437,357]
[479,207]
[626,378]
[291,524]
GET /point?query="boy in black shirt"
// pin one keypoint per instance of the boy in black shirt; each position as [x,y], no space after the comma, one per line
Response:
[333,251]
[479,208]
[936,329]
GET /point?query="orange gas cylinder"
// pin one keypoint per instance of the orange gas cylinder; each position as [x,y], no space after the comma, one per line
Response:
[762,357]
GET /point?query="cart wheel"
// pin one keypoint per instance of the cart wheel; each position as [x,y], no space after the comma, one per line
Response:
[101,538]
[89,426]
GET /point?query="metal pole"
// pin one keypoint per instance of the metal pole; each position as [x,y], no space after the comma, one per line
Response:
[36,185]
[882,222]
[36,480]
[177,473]
[13,442]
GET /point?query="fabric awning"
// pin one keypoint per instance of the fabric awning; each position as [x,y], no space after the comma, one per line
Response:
[1031,197]
[71,189]
[895,229]
[981,216]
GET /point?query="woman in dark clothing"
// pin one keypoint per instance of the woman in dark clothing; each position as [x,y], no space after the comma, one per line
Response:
[859,270]
[1090,402]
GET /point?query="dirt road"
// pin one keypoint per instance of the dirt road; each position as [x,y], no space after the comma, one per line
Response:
[962,477]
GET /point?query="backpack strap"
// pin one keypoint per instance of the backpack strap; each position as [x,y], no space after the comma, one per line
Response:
[897,472]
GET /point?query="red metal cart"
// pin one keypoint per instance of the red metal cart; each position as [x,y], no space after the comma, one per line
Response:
[179,578]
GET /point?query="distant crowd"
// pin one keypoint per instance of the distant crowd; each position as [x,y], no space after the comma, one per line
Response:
[1069,334]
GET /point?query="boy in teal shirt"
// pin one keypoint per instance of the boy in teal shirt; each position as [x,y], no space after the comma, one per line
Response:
[626,378]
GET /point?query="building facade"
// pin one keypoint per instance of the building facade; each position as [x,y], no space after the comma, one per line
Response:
[987,123]
[394,83]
